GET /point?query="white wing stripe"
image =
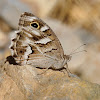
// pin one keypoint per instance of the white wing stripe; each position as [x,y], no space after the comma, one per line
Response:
[28,28]
[35,32]
[44,40]
[30,18]
[28,34]
[44,28]
[28,51]
[26,54]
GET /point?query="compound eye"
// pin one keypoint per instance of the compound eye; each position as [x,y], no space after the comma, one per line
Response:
[35,25]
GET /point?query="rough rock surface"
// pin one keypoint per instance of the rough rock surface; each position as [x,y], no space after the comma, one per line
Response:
[27,83]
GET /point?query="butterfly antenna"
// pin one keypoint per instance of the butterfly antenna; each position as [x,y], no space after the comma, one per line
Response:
[73,52]
[78,52]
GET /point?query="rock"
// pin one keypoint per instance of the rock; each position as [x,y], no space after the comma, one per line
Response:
[9,89]
[90,69]
[25,83]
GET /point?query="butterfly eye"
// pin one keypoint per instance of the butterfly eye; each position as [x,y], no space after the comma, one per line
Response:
[35,25]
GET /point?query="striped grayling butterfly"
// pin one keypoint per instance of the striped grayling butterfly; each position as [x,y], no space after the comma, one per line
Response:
[36,44]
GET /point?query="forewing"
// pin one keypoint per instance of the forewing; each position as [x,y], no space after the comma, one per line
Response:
[35,42]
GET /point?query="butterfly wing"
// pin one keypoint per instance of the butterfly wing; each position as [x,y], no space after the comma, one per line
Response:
[35,43]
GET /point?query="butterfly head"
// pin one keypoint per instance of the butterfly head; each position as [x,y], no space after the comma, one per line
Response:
[67,57]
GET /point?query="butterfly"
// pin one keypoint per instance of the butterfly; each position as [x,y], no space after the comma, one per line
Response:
[37,45]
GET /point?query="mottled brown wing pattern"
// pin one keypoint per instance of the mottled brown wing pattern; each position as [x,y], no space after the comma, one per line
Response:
[36,44]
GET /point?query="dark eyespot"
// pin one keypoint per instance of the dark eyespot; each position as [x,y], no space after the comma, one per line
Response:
[21,51]
[35,25]
[12,47]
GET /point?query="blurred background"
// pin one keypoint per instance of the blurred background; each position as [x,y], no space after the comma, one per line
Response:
[75,22]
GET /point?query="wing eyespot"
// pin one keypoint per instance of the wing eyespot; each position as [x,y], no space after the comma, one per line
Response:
[21,51]
[35,25]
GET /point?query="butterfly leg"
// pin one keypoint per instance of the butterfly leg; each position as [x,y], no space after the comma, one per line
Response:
[69,73]
[43,72]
